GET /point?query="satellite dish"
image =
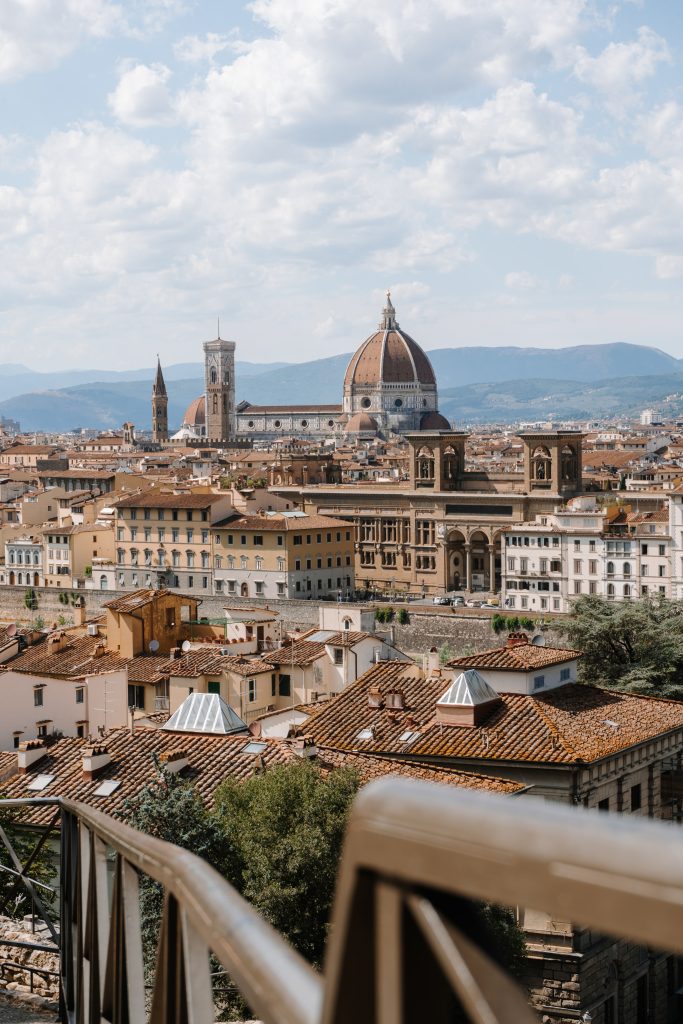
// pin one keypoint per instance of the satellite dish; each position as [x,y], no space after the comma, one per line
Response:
[154,646]
[186,646]
[11,629]
[538,640]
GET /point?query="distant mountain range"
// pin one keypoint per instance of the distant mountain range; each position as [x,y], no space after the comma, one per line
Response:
[476,384]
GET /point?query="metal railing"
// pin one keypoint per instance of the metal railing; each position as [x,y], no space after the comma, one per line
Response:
[399,949]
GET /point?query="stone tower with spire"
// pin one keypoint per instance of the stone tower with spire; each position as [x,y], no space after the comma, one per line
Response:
[219,383]
[159,407]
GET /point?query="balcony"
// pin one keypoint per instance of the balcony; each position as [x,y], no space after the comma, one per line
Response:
[402,946]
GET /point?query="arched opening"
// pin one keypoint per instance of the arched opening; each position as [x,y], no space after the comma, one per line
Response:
[214,375]
[457,561]
[451,465]
[480,561]
[11,579]
[103,582]
[568,464]
[425,468]
[627,568]
[244,590]
[36,579]
[540,465]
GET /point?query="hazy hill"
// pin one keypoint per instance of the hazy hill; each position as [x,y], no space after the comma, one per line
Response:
[475,384]
[19,380]
[511,401]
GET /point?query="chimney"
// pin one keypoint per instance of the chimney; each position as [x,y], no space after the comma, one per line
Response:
[517,639]
[95,756]
[433,661]
[79,615]
[56,641]
[174,760]
[375,697]
[395,699]
[99,650]
[176,653]
[29,753]
[255,729]
[304,746]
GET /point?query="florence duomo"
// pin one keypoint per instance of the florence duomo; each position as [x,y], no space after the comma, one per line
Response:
[389,388]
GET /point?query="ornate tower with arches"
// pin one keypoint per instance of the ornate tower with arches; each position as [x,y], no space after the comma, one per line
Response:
[159,407]
[553,462]
[219,384]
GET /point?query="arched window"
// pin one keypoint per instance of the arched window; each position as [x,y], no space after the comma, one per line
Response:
[610,590]
[451,463]
[215,404]
[627,568]
[425,464]
[568,463]
[214,375]
[103,582]
[627,590]
[540,464]
[610,568]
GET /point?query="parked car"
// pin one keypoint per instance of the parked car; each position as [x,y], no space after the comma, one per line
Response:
[441,600]
[473,603]
[458,602]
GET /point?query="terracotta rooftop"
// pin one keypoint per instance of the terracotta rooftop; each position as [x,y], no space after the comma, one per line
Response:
[153,498]
[75,659]
[284,524]
[522,657]
[370,767]
[574,723]
[301,652]
[139,598]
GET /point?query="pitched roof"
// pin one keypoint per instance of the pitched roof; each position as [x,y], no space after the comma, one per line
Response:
[520,657]
[139,598]
[370,766]
[300,652]
[153,498]
[574,723]
[77,658]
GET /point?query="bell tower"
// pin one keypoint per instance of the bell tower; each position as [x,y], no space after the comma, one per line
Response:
[219,383]
[159,407]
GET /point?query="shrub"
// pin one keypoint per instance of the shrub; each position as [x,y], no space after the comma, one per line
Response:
[30,599]
[527,622]
[498,622]
[403,617]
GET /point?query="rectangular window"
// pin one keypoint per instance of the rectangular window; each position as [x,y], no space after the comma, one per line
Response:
[298,539]
[273,685]
[285,686]
[161,513]
[258,540]
[252,690]
[190,536]
[565,673]
[136,697]
[38,697]
[539,682]
[636,798]
[603,805]
[577,586]
[80,692]
[662,550]
[147,513]
[338,656]
[213,686]
[578,566]
[643,549]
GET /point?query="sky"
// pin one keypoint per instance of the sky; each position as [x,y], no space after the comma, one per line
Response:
[512,170]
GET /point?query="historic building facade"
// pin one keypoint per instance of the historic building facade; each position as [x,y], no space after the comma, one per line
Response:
[444,529]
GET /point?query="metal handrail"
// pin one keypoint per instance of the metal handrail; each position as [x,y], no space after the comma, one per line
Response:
[411,848]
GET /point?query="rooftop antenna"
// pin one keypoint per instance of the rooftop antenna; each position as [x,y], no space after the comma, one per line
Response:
[219,329]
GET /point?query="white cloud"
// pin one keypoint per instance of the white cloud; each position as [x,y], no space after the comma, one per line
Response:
[199,50]
[141,97]
[37,34]
[521,279]
[621,68]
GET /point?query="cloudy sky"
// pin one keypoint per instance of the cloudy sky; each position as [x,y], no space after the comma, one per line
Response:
[512,169]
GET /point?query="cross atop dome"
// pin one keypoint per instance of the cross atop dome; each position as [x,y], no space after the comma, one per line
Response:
[388,321]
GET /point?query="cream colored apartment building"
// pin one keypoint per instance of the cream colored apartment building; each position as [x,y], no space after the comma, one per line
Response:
[283,554]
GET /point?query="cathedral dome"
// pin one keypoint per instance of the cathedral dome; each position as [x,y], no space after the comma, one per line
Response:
[195,414]
[389,356]
[434,421]
[361,423]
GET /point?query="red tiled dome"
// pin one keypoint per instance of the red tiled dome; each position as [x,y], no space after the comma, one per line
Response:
[389,356]
[195,414]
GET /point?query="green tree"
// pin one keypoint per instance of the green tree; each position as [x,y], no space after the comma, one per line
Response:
[498,622]
[288,825]
[170,808]
[632,645]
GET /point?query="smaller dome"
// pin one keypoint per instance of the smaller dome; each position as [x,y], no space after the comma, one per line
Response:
[195,414]
[434,421]
[361,423]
